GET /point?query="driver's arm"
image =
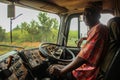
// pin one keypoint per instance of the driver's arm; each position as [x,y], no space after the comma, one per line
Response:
[77,62]
[60,70]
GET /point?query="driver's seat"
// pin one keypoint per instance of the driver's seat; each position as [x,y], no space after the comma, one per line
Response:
[110,67]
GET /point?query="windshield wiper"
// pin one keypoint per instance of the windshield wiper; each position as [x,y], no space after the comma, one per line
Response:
[11,46]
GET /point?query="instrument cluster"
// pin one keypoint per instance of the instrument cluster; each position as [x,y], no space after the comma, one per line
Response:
[33,57]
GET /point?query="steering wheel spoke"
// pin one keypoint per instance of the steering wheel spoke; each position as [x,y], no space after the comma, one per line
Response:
[55,51]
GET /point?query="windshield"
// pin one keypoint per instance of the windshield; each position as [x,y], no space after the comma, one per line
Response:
[27,29]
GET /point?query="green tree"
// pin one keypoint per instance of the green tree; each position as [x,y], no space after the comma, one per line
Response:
[17,28]
[32,28]
[24,26]
[44,30]
[46,25]
[55,23]
[24,34]
[2,34]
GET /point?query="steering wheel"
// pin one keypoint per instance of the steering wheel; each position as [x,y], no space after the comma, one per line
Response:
[54,51]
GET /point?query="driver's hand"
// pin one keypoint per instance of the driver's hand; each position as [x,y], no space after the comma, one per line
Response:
[80,41]
[55,70]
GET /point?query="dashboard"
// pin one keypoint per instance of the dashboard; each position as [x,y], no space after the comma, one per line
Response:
[33,58]
[27,64]
[18,70]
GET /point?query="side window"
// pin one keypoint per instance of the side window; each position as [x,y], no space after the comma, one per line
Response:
[73,32]
[77,30]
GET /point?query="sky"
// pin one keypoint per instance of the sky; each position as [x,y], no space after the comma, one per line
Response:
[27,16]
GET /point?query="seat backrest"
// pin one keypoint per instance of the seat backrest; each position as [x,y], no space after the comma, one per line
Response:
[113,70]
[111,64]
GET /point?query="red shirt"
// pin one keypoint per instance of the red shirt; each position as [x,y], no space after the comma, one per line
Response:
[91,52]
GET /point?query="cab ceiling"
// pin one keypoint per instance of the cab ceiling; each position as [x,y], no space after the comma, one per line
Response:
[54,6]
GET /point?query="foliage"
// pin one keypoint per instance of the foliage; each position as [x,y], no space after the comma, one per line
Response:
[16,28]
[2,34]
[72,38]
[45,29]
[46,26]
